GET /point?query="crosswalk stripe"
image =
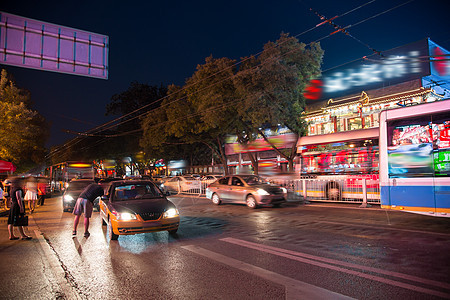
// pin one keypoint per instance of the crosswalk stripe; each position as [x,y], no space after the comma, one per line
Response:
[316,260]
[295,289]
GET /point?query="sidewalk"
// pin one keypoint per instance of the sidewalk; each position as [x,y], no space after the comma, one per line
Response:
[3,211]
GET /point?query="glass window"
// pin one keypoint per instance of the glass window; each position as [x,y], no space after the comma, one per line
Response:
[224,180]
[354,123]
[236,181]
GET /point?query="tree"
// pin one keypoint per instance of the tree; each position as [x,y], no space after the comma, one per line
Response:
[138,100]
[201,112]
[23,131]
[272,89]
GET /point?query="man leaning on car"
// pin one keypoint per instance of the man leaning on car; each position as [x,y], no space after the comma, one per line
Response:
[85,204]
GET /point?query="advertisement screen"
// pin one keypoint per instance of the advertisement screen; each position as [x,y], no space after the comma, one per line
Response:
[420,148]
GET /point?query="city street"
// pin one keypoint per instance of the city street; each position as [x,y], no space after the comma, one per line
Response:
[297,251]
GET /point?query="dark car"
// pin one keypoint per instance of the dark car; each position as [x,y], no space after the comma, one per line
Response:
[251,190]
[137,206]
[70,196]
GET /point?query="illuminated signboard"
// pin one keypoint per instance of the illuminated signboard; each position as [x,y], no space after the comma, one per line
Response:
[38,45]
[394,66]
[80,165]
[440,63]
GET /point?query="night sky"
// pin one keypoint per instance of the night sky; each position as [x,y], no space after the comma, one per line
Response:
[162,42]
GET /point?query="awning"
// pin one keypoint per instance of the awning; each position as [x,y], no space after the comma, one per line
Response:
[6,166]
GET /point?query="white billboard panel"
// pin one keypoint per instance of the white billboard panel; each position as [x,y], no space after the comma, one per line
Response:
[34,44]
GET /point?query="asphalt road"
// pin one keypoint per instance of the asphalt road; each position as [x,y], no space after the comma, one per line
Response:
[297,251]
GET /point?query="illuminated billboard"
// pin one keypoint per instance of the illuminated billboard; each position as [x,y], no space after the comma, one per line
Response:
[43,46]
[394,66]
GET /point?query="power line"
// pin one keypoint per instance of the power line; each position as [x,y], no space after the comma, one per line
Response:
[98,128]
[220,71]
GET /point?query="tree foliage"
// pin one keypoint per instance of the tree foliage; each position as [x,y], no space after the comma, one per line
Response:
[23,131]
[221,99]
[201,112]
[272,85]
[138,100]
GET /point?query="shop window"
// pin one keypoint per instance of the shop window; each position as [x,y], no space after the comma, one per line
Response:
[341,124]
[353,124]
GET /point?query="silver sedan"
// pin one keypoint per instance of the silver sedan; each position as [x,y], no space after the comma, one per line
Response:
[251,190]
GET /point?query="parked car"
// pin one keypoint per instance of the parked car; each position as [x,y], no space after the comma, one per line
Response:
[210,178]
[181,184]
[251,190]
[70,196]
[137,206]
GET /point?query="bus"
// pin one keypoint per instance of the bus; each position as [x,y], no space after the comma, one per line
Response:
[61,174]
[339,167]
[415,159]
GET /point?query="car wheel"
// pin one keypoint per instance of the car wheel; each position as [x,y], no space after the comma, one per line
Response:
[112,235]
[333,191]
[173,231]
[216,199]
[251,202]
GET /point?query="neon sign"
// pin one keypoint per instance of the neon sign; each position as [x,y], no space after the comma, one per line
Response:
[389,68]
[395,66]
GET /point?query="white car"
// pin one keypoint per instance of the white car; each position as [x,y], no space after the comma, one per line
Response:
[180,184]
[208,179]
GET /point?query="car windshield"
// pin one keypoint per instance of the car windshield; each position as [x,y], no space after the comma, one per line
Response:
[253,180]
[77,185]
[136,192]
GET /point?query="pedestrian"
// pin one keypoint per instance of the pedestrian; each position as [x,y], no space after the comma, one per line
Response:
[42,190]
[6,195]
[1,192]
[31,194]
[17,210]
[85,205]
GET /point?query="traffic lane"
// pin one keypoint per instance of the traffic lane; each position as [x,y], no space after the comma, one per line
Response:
[342,277]
[140,266]
[258,222]
[364,236]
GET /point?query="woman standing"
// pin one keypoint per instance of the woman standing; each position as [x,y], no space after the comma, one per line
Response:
[17,209]
[31,194]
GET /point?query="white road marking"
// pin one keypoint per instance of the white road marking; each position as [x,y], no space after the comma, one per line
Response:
[317,261]
[295,289]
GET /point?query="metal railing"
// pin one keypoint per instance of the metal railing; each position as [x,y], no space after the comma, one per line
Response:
[349,190]
[354,190]
[200,190]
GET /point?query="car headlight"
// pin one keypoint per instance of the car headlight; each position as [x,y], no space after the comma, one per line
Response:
[284,190]
[171,213]
[262,192]
[125,216]
[68,198]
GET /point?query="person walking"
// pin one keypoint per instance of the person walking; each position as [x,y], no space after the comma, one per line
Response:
[42,190]
[85,205]
[17,210]
[6,193]
[31,194]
